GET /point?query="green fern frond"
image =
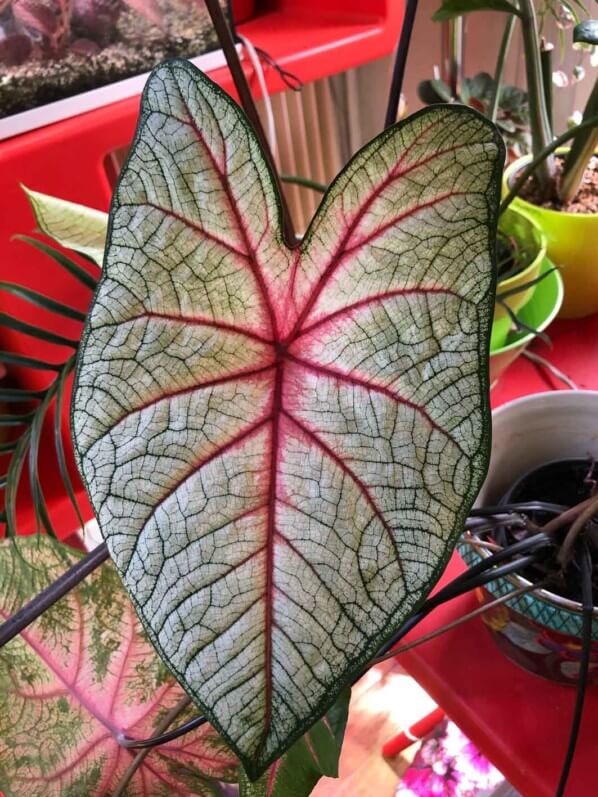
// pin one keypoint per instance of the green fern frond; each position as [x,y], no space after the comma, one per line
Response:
[31,406]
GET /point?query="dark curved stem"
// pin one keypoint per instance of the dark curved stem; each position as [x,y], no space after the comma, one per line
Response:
[500,66]
[398,71]
[48,597]
[584,664]
[163,738]
[227,43]
[541,156]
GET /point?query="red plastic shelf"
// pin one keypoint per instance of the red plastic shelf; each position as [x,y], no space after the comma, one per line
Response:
[519,721]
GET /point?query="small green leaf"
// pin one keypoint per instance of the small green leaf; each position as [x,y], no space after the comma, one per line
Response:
[13,479]
[37,494]
[11,322]
[316,754]
[71,225]
[41,300]
[60,455]
[456,8]
[79,677]
[586,32]
[67,264]
[9,358]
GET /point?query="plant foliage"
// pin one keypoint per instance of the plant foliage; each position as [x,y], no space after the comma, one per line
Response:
[281,445]
[29,410]
[315,755]
[81,677]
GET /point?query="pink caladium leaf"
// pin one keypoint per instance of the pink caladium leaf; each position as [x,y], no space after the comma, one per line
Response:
[79,678]
[281,445]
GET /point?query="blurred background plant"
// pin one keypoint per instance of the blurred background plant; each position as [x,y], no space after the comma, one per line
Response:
[50,28]
[560,185]
[480,92]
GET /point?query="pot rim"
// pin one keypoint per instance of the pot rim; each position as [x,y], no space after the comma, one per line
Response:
[537,262]
[554,397]
[516,166]
[524,341]
[518,582]
[550,396]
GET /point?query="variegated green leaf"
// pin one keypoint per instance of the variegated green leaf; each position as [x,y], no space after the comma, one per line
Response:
[314,755]
[71,225]
[281,445]
[80,677]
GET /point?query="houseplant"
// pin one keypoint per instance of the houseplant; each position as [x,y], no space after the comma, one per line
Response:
[122,361]
[541,630]
[237,310]
[549,195]
[521,243]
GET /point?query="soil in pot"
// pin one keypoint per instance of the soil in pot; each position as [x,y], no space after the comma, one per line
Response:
[95,50]
[566,482]
[586,199]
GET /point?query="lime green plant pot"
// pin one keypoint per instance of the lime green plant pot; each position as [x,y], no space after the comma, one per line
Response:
[572,245]
[538,313]
[532,249]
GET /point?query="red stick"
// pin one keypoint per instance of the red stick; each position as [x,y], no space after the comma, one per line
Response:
[417,731]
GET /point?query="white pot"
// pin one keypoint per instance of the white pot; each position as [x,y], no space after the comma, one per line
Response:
[536,429]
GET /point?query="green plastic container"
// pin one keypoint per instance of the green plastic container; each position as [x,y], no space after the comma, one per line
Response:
[532,247]
[572,241]
[538,313]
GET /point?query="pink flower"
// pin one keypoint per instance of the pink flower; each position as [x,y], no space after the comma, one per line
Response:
[448,765]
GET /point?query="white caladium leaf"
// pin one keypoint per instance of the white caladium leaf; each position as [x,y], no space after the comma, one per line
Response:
[314,755]
[77,679]
[71,225]
[281,445]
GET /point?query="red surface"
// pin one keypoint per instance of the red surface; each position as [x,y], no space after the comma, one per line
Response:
[519,721]
[68,159]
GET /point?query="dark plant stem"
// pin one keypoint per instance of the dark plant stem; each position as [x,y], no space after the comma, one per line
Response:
[541,156]
[476,576]
[305,182]
[48,597]
[398,71]
[521,325]
[562,520]
[242,86]
[581,151]
[465,618]
[566,551]
[162,738]
[540,129]
[482,573]
[130,771]
[500,66]
[584,665]
[546,63]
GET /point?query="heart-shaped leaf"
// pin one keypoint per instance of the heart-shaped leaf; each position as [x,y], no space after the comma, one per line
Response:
[316,754]
[78,678]
[281,445]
